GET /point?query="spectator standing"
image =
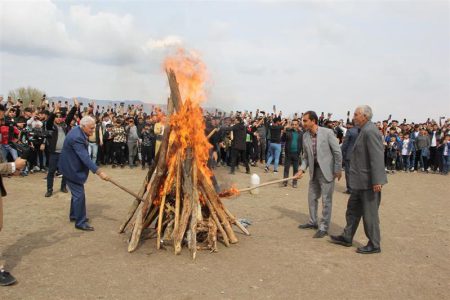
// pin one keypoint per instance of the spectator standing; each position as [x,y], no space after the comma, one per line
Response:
[58,127]
[275,144]
[132,142]
[347,147]
[293,138]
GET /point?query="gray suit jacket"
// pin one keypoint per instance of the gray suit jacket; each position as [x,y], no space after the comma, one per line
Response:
[329,155]
[367,159]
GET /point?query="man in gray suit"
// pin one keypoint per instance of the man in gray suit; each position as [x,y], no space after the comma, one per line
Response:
[367,176]
[321,153]
[347,148]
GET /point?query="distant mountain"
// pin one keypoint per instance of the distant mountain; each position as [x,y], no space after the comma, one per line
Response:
[148,107]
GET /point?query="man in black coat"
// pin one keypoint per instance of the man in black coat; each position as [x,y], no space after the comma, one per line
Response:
[293,138]
[238,145]
[347,148]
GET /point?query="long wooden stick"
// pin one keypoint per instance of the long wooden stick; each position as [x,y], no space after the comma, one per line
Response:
[267,183]
[125,189]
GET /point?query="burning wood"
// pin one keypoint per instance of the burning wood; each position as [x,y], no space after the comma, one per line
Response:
[180,202]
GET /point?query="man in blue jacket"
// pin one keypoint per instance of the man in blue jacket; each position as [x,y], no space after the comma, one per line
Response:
[75,164]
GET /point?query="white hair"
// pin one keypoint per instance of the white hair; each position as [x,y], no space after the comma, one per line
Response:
[86,120]
[366,110]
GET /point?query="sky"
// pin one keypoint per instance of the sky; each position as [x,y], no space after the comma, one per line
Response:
[328,56]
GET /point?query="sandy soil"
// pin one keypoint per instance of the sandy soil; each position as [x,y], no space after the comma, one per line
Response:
[52,260]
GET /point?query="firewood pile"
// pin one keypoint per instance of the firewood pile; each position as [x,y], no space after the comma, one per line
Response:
[181,206]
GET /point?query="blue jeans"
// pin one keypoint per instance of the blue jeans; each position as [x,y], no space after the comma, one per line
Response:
[445,164]
[93,149]
[274,154]
[8,149]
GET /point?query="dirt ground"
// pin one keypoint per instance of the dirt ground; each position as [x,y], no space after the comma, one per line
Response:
[52,260]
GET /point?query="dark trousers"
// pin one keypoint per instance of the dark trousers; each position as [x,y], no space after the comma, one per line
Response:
[347,172]
[52,167]
[434,160]
[418,158]
[365,204]
[235,153]
[119,153]
[108,152]
[262,150]
[77,203]
[291,159]
[148,153]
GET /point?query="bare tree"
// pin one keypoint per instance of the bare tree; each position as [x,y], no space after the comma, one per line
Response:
[26,95]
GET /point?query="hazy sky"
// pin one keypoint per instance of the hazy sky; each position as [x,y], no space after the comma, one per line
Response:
[300,55]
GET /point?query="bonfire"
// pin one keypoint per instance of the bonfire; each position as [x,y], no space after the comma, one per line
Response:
[177,202]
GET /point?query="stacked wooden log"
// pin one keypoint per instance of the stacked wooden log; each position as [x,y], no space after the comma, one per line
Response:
[180,202]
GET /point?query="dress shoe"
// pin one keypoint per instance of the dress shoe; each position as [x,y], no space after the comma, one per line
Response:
[6,278]
[340,240]
[284,184]
[73,219]
[49,193]
[85,227]
[294,185]
[308,226]
[64,190]
[368,249]
[320,234]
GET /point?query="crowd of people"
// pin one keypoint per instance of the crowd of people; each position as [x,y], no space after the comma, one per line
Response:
[75,139]
[127,135]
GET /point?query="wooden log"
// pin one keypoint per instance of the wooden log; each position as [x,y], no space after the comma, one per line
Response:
[151,216]
[160,219]
[137,231]
[178,194]
[213,213]
[187,201]
[135,204]
[236,222]
[174,90]
[194,214]
[215,201]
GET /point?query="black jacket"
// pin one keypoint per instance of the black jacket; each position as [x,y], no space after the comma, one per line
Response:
[53,130]
[239,136]
[287,137]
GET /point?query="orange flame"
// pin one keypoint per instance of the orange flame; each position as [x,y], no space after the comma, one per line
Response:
[187,125]
[233,191]
[191,74]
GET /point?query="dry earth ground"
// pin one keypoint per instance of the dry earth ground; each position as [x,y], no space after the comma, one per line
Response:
[52,260]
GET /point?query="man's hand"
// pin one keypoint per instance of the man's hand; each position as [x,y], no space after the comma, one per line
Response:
[299,174]
[42,147]
[338,175]
[76,103]
[377,188]
[20,163]
[102,175]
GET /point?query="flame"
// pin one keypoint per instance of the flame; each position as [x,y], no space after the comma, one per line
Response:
[233,191]
[191,74]
[187,125]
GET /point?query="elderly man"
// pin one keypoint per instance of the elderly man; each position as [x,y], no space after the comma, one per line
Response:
[75,164]
[323,156]
[366,177]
